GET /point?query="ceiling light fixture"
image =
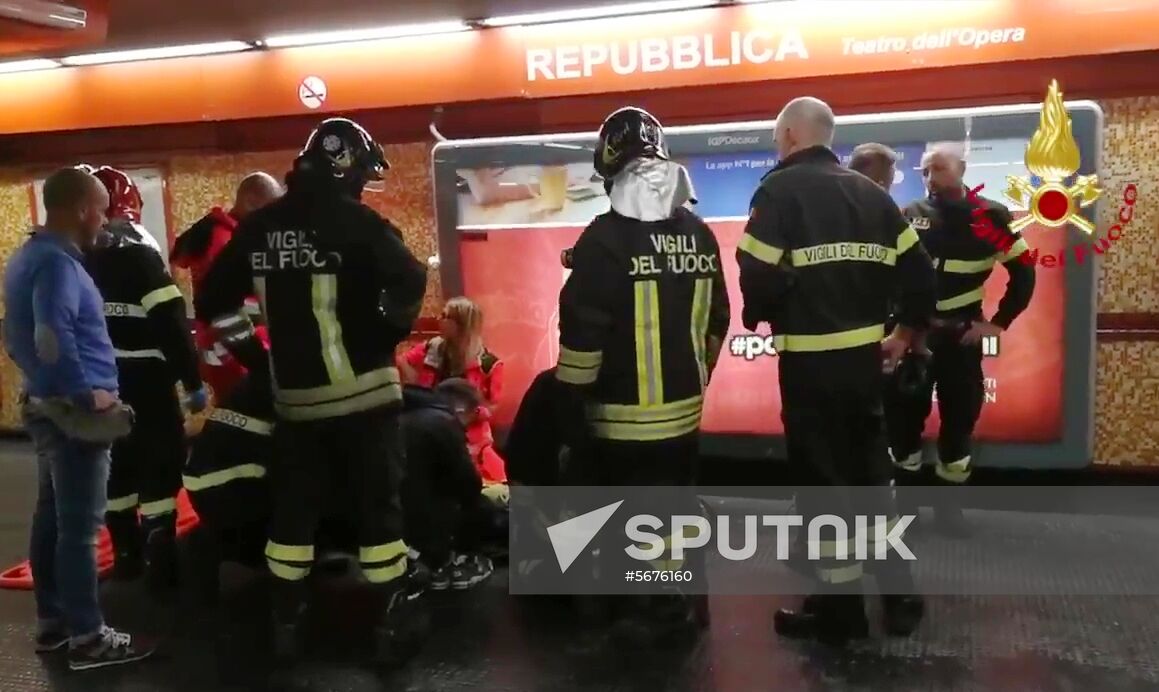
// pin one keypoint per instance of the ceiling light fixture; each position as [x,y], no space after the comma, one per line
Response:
[596,12]
[157,53]
[372,34]
[51,14]
[27,65]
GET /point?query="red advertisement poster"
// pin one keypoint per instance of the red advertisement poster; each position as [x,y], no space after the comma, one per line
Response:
[514,223]
[515,275]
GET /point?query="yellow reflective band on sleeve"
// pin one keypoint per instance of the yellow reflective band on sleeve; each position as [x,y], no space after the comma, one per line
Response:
[383,575]
[840,575]
[954,471]
[381,553]
[287,572]
[835,341]
[366,391]
[953,266]
[1015,250]
[161,295]
[159,507]
[843,252]
[766,253]
[960,301]
[241,421]
[578,367]
[646,423]
[906,239]
[324,294]
[218,478]
[649,375]
[701,307]
[123,503]
[289,553]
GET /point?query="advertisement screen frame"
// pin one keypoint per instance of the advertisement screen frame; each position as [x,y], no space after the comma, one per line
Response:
[1074,449]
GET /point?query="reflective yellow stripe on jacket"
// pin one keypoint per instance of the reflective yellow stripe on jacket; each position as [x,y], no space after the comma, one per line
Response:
[649,422]
[362,393]
[215,479]
[834,341]
[649,370]
[578,367]
[960,301]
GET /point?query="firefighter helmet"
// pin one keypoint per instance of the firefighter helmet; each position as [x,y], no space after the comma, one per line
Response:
[343,150]
[124,198]
[911,373]
[628,134]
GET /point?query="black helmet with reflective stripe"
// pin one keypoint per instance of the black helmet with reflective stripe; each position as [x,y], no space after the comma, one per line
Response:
[628,134]
[344,151]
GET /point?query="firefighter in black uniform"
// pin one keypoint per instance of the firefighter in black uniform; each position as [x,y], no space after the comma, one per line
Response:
[642,316]
[824,254]
[945,222]
[338,290]
[151,333]
[227,476]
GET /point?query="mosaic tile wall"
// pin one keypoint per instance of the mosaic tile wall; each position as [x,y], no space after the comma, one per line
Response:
[1127,390]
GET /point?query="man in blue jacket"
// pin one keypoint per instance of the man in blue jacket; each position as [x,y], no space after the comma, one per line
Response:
[55,331]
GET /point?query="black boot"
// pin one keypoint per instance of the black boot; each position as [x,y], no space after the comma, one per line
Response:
[160,552]
[404,621]
[288,612]
[834,620]
[128,563]
[902,614]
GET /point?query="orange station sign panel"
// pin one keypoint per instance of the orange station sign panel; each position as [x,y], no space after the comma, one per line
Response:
[734,44]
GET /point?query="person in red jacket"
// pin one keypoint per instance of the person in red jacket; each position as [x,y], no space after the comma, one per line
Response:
[196,249]
[457,352]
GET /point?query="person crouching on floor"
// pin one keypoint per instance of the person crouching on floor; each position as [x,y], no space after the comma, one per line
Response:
[446,511]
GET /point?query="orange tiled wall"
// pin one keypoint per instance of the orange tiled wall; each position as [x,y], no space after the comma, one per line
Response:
[196,183]
[1127,388]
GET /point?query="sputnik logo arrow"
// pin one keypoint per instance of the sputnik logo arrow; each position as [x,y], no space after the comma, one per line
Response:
[569,538]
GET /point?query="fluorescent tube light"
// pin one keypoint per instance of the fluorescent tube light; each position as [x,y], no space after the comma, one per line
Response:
[51,14]
[596,12]
[157,53]
[371,34]
[27,65]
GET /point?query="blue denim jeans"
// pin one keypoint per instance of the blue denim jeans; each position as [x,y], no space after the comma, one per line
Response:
[70,507]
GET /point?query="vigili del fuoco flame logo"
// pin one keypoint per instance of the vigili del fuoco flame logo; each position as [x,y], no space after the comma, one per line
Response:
[1053,157]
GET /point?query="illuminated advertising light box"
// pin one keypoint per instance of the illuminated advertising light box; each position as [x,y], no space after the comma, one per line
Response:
[507,208]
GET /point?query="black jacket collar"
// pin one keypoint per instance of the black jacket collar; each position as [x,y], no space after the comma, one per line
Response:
[815,154]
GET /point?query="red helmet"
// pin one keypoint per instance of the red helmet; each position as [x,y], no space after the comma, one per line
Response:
[124,198]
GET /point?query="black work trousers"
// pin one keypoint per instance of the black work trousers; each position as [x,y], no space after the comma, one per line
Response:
[146,468]
[349,468]
[956,372]
[835,437]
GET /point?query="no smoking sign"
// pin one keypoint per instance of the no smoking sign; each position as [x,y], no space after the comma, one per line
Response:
[312,92]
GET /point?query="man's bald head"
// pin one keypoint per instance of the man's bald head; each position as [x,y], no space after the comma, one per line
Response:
[74,203]
[804,122]
[255,191]
[943,166]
